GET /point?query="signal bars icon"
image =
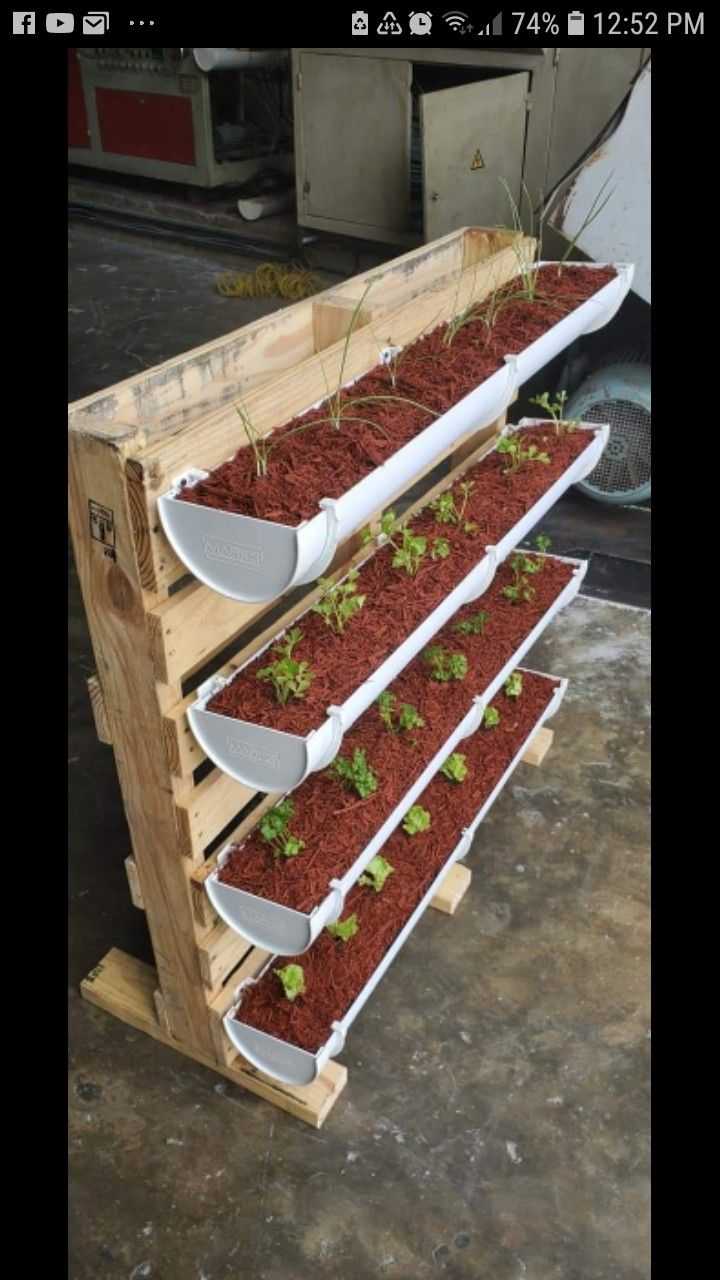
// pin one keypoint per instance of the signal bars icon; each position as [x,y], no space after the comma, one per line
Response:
[460,23]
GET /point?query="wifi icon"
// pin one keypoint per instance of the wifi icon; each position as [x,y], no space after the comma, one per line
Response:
[457,21]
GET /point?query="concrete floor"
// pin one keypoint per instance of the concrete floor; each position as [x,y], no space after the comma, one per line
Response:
[496,1117]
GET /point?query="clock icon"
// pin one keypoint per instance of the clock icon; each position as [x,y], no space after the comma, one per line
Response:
[420,24]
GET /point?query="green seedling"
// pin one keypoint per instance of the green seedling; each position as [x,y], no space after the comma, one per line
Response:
[447,512]
[556,408]
[440,549]
[473,626]
[339,602]
[446,666]
[522,567]
[543,544]
[511,447]
[398,719]
[416,820]
[411,548]
[356,774]
[376,873]
[275,830]
[455,767]
[292,978]
[257,442]
[443,509]
[513,685]
[343,930]
[525,253]
[289,678]
[491,717]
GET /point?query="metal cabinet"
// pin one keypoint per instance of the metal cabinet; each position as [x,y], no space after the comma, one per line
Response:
[404,145]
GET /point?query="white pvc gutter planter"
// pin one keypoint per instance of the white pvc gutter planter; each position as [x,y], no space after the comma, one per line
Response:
[256,560]
[287,932]
[288,1063]
[271,760]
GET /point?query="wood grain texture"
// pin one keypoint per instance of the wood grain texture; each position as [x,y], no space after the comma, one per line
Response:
[125,987]
[113,600]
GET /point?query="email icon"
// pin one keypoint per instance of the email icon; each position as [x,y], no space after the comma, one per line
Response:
[95,23]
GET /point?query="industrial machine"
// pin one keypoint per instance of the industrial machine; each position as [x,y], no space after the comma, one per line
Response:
[612,383]
[206,117]
[404,145]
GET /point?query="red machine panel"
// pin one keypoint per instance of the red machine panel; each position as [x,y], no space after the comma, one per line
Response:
[78,135]
[156,126]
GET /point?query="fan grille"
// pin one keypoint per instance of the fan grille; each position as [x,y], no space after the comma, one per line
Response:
[625,462]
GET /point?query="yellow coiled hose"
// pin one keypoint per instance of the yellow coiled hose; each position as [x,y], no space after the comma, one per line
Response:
[271,279]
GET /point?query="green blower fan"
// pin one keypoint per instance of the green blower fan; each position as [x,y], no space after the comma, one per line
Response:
[618,394]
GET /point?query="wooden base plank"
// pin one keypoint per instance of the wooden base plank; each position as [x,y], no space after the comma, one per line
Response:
[125,987]
[452,890]
[539,747]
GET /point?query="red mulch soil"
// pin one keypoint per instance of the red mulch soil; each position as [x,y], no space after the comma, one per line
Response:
[335,971]
[309,465]
[395,603]
[333,822]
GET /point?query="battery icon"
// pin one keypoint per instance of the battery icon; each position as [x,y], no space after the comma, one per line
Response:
[576,23]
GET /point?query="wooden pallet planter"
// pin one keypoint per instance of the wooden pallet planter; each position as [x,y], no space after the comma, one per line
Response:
[154,633]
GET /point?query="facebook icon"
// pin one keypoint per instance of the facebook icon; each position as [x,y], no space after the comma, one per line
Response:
[23,24]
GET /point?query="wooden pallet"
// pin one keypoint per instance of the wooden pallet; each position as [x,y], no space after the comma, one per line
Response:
[157,633]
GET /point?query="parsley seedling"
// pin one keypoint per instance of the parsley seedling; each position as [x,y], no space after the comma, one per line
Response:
[289,678]
[472,626]
[512,448]
[339,602]
[275,829]
[446,666]
[398,718]
[355,774]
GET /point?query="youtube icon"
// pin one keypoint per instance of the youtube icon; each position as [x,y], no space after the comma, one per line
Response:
[60,23]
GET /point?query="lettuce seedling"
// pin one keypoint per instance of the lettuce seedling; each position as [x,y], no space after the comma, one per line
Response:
[376,873]
[356,773]
[491,717]
[455,767]
[416,820]
[292,977]
[513,685]
[343,930]
[398,719]
[275,829]
[339,602]
[472,626]
[289,678]
[446,666]
[512,448]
